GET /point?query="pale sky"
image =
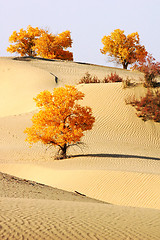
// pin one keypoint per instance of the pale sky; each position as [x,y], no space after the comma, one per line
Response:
[88,21]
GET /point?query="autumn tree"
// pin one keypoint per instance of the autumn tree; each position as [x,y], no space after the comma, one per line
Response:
[123,49]
[24,41]
[54,46]
[39,42]
[61,121]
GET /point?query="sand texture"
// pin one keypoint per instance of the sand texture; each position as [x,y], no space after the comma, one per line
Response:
[117,171]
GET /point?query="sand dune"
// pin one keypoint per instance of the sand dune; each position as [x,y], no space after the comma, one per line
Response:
[18,83]
[33,211]
[119,163]
[48,219]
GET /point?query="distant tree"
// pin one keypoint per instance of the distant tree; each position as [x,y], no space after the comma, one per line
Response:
[38,42]
[123,49]
[61,121]
[151,70]
[54,46]
[23,42]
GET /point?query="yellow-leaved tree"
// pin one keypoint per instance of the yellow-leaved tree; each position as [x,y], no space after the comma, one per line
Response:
[124,49]
[38,42]
[54,46]
[61,121]
[24,41]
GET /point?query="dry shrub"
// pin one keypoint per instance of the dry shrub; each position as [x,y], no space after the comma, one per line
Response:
[114,77]
[151,70]
[89,79]
[148,107]
[127,83]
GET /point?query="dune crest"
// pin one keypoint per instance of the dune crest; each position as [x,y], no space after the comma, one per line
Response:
[19,84]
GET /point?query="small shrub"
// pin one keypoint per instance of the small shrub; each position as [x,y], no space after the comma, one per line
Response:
[148,107]
[127,83]
[149,82]
[151,70]
[109,79]
[89,79]
[112,78]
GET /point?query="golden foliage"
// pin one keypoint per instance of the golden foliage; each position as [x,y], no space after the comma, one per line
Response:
[61,121]
[38,42]
[51,46]
[24,41]
[124,49]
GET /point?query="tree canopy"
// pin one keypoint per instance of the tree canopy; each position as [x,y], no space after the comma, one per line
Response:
[123,49]
[61,121]
[39,42]
[24,41]
[54,47]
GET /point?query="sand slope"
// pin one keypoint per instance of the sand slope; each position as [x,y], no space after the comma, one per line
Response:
[119,163]
[48,219]
[33,211]
[18,83]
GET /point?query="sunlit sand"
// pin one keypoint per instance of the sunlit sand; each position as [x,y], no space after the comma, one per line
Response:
[109,187]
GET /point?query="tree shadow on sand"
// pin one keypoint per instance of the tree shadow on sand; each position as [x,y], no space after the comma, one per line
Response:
[103,155]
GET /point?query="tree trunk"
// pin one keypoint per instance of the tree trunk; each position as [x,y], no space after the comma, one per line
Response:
[63,152]
[125,64]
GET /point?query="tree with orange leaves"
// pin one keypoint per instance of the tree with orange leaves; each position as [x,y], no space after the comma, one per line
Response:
[123,49]
[24,41]
[54,46]
[39,42]
[61,121]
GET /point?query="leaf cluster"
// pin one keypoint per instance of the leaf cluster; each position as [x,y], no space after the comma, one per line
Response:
[54,47]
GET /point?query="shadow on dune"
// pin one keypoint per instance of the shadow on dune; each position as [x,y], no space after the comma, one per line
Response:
[30,58]
[103,155]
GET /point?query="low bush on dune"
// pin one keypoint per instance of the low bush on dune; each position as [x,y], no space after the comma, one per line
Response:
[112,78]
[151,70]
[148,107]
[87,78]
[127,83]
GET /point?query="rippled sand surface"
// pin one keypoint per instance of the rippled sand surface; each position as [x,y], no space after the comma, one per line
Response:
[118,165]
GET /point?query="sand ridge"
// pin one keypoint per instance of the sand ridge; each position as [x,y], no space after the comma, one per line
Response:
[14,187]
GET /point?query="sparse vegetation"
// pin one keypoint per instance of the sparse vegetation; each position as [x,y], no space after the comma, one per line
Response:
[87,78]
[112,78]
[148,107]
[151,70]
[127,83]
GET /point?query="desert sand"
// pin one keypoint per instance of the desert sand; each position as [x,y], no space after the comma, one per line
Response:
[117,171]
